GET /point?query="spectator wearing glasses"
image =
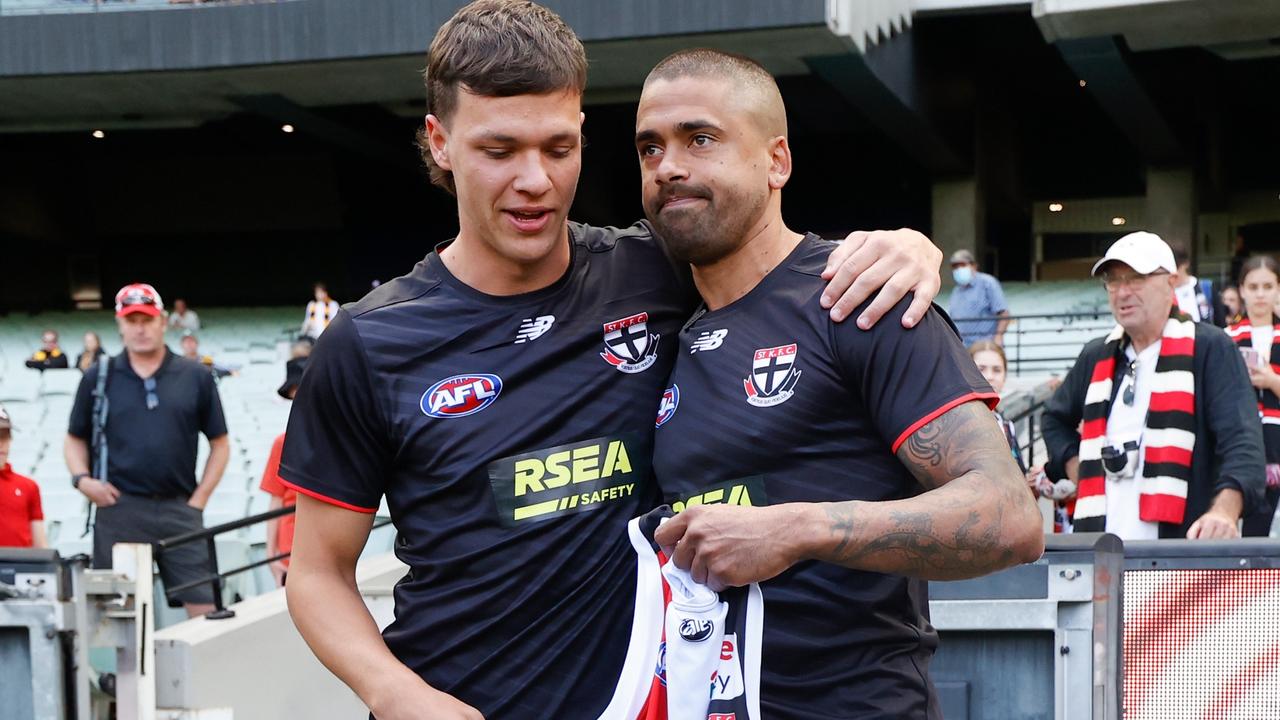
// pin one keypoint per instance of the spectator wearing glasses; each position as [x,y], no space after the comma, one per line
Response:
[157,404]
[49,356]
[1170,444]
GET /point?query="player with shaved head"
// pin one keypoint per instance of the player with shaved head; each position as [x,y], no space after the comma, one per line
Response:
[501,398]
[863,463]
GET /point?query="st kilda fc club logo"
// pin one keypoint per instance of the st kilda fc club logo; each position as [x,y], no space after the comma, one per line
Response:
[629,346]
[773,376]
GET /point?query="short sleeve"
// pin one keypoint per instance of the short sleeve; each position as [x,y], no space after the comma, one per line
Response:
[995,295]
[907,378]
[338,446]
[271,484]
[34,509]
[81,422]
[212,422]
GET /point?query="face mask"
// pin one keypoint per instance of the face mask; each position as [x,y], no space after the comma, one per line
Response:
[962,275]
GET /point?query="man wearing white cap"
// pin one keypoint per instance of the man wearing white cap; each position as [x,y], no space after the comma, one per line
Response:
[1169,443]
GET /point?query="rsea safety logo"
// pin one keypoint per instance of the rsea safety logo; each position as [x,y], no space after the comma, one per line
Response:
[748,491]
[567,479]
[461,395]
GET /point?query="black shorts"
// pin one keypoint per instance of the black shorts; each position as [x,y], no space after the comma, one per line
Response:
[140,519]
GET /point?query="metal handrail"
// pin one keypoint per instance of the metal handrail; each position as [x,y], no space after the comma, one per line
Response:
[216,578]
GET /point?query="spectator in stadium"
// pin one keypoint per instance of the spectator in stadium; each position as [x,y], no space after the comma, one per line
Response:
[301,347]
[21,517]
[876,451]
[1255,335]
[1191,294]
[92,351]
[280,530]
[1231,309]
[157,404]
[183,318]
[191,351]
[320,312]
[49,356]
[991,362]
[459,646]
[977,295]
[1170,444]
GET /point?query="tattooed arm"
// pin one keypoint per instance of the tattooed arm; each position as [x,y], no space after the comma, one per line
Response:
[975,517]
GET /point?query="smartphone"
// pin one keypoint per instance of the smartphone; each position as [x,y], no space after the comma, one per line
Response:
[1252,358]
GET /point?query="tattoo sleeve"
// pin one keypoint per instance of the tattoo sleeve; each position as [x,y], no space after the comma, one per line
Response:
[974,517]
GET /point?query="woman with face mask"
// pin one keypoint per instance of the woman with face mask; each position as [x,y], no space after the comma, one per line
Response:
[1255,334]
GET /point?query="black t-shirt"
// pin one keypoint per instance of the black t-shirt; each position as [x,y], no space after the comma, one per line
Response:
[152,452]
[770,402]
[512,438]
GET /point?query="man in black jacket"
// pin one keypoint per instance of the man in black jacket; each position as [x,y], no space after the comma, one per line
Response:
[1156,423]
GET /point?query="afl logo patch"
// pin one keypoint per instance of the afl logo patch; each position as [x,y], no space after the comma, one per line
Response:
[461,395]
[696,630]
[667,407]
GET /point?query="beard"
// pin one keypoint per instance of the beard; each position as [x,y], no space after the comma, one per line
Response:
[703,234]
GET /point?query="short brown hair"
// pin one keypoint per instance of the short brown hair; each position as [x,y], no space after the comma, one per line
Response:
[498,48]
[988,346]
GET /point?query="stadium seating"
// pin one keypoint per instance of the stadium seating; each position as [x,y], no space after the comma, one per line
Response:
[255,339]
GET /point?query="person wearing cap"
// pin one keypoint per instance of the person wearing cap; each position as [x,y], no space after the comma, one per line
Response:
[21,517]
[1169,443]
[49,356]
[977,295]
[157,405]
[280,530]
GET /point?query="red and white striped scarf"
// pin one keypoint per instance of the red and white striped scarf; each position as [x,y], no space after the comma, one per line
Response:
[1168,438]
[1268,403]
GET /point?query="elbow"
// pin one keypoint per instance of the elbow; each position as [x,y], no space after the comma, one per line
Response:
[1028,539]
[1030,547]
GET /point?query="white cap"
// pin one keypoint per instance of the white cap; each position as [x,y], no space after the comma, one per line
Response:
[1143,251]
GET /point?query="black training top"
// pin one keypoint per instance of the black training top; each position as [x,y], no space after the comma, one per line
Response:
[771,402]
[512,438]
[152,451]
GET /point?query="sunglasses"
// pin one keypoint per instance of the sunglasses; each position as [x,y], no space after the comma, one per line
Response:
[137,298]
[153,400]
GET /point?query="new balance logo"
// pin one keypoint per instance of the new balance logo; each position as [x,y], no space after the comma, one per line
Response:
[709,340]
[534,328]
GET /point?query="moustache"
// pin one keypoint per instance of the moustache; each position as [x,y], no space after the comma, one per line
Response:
[668,192]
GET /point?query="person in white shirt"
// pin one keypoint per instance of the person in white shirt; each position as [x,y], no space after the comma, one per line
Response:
[1156,423]
[320,312]
[183,318]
